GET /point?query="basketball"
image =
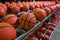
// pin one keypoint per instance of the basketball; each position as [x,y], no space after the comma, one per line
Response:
[58,5]
[7,4]
[52,8]
[27,20]
[55,6]
[48,10]
[39,13]
[25,7]
[11,19]
[37,5]
[7,31]
[15,9]
[2,12]
[31,6]
[3,6]
[41,4]
[20,5]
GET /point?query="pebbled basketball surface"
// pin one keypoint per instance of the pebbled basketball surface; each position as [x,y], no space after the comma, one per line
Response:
[27,20]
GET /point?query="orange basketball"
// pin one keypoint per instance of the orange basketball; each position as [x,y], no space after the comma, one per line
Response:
[8,5]
[45,4]
[37,5]
[11,19]
[48,10]
[14,3]
[28,37]
[31,6]
[52,8]
[15,9]
[55,6]
[3,6]
[58,5]
[25,7]
[7,31]
[20,5]
[27,20]
[41,4]
[39,13]
[2,12]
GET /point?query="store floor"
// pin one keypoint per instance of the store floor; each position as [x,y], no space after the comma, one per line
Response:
[56,33]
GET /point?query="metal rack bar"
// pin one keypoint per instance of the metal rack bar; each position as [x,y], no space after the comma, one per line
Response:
[39,23]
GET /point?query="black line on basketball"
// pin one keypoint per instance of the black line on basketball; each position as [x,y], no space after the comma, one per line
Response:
[9,17]
[25,19]
[21,19]
[30,21]
[4,26]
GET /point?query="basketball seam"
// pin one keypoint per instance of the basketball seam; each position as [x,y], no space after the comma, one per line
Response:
[21,20]
[9,17]
[4,26]
[30,21]
[26,19]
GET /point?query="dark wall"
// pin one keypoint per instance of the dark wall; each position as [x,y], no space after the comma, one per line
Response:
[6,1]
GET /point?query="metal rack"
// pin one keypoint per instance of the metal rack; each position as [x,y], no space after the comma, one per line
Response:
[38,24]
[30,31]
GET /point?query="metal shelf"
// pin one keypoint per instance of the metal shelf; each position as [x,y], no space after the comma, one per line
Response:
[38,24]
